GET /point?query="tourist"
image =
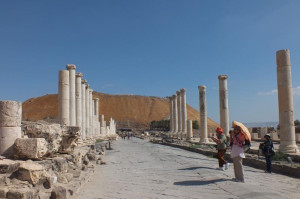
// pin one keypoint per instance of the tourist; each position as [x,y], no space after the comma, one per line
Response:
[221,141]
[268,151]
[237,153]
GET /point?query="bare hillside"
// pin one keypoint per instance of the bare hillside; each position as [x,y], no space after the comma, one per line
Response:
[132,110]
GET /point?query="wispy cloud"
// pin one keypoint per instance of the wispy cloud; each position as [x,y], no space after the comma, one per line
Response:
[296,91]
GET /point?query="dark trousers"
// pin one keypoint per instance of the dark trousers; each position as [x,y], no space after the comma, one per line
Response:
[269,163]
[221,157]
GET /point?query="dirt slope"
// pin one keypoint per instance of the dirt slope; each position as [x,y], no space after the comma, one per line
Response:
[125,109]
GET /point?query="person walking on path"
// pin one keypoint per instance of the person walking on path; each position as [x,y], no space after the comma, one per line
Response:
[237,153]
[268,150]
[221,141]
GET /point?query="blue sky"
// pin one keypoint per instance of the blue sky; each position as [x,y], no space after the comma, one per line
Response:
[153,48]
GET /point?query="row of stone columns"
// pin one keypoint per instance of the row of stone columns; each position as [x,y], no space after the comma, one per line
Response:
[285,104]
[76,104]
[178,114]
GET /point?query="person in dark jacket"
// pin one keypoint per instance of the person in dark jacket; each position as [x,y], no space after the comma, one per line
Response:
[268,151]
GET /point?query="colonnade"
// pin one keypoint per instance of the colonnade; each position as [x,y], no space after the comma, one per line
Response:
[76,106]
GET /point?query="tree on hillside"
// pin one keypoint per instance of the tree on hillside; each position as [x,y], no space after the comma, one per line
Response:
[195,124]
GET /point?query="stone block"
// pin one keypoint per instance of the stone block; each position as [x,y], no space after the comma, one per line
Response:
[297,137]
[19,194]
[10,114]
[30,148]
[255,136]
[59,193]
[8,166]
[51,132]
[31,172]
[60,164]
[3,192]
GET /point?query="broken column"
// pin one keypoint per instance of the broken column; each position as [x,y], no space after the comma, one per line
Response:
[103,126]
[10,125]
[87,108]
[189,135]
[78,100]
[285,102]
[183,110]
[71,68]
[64,98]
[83,90]
[203,114]
[175,114]
[179,113]
[223,102]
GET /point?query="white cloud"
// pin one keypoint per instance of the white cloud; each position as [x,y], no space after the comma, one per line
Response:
[296,91]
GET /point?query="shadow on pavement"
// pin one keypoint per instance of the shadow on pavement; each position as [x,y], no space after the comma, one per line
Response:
[199,182]
[194,168]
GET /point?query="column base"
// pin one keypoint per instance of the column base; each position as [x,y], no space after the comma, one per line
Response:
[288,147]
[8,135]
[204,140]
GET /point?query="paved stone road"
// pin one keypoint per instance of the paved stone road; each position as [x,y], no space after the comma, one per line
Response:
[139,169]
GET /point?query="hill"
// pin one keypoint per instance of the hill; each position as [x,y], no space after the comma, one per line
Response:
[127,110]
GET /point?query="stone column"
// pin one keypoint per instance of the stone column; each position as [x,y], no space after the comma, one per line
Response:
[71,68]
[189,135]
[203,114]
[64,98]
[78,101]
[102,126]
[10,125]
[285,102]
[87,108]
[183,110]
[83,92]
[96,106]
[171,115]
[179,113]
[91,113]
[223,102]
[175,114]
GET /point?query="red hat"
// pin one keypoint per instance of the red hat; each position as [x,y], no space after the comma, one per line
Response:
[219,129]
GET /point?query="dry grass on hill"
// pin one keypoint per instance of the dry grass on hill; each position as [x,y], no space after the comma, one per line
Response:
[133,109]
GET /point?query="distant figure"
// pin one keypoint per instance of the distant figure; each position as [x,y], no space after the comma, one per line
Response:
[237,153]
[221,141]
[268,151]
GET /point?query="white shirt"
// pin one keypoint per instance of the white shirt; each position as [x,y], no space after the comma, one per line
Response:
[237,151]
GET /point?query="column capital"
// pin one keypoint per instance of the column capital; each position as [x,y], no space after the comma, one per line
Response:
[70,67]
[174,96]
[222,77]
[87,86]
[202,88]
[91,90]
[183,91]
[96,99]
[83,81]
[178,93]
[79,75]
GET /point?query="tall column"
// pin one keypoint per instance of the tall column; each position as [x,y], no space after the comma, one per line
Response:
[91,113]
[175,114]
[10,125]
[183,110]
[93,118]
[203,114]
[64,98]
[179,113]
[96,101]
[78,101]
[71,68]
[87,108]
[171,115]
[189,135]
[83,90]
[285,102]
[223,102]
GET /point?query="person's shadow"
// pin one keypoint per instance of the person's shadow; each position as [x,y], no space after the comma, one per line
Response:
[199,182]
[195,168]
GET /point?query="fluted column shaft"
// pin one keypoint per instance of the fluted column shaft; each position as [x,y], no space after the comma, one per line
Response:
[179,113]
[183,110]
[91,113]
[83,92]
[71,68]
[78,101]
[87,106]
[175,114]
